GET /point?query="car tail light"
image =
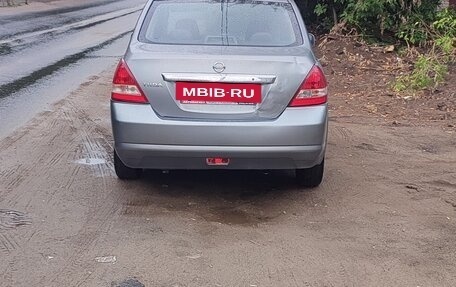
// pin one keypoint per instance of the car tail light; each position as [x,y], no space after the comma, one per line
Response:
[313,91]
[124,86]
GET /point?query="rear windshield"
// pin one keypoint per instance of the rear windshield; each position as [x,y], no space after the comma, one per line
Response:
[221,23]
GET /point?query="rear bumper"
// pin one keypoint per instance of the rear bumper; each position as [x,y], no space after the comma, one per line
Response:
[297,139]
[194,157]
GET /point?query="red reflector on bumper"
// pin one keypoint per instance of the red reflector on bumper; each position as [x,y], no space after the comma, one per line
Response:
[218,161]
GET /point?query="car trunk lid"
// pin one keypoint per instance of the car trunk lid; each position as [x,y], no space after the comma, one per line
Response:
[245,71]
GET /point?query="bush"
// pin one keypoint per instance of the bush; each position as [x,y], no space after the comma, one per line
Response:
[428,72]
[381,19]
[411,22]
[431,68]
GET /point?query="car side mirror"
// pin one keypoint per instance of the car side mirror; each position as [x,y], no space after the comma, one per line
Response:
[312,39]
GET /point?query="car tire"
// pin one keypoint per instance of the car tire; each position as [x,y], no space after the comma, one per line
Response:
[310,177]
[124,172]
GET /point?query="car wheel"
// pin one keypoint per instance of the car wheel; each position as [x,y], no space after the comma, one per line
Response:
[311,177]
[124,172]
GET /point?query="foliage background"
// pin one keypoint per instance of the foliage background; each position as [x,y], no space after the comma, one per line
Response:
[426,30]
[384,20]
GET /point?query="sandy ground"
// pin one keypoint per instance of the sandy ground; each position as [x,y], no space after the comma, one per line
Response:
[361,81]
[384,216]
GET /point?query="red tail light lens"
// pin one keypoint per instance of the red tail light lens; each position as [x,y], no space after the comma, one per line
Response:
[313,91]
[124,86]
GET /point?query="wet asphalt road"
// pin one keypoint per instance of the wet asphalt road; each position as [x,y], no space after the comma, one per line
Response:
[16,24]
[47,53]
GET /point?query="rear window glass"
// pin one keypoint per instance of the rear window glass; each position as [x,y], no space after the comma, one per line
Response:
[221,23]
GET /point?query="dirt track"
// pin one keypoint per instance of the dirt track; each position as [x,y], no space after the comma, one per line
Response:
[385,215]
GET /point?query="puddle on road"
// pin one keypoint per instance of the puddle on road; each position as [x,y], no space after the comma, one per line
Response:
[232,216]
[5,49]
[224,197]
[366,146]
[227,215]
[10,219]
[216,211]
[128,283]
[91,161]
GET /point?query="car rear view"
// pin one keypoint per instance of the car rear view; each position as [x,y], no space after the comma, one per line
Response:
[220,85]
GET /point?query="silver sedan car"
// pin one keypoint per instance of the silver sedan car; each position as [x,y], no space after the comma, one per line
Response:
[220,85]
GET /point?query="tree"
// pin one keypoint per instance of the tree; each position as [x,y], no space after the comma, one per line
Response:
[375,18]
